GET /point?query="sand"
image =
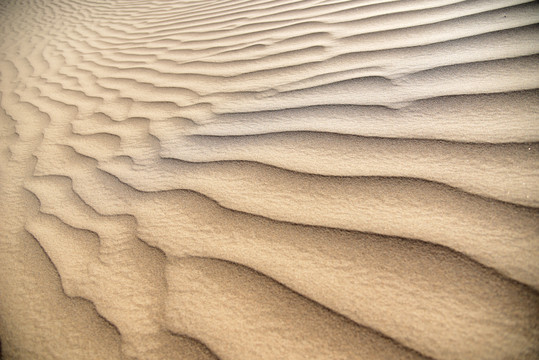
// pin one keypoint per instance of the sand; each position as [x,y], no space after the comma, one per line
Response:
[269,179]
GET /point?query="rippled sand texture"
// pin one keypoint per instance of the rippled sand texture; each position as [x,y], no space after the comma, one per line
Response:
[269,179]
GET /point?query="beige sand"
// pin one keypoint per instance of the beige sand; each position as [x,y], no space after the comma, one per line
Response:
[269,179]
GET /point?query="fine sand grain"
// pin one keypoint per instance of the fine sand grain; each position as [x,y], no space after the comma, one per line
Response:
[269,179]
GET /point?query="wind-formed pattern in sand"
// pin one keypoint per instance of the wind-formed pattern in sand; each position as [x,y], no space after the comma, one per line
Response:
[269,179]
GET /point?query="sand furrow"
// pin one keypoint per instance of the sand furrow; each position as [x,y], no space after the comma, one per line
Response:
[480,118]
[278,332]
[484,169]
[364,204]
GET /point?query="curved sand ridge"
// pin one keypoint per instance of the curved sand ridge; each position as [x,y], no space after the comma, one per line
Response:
[269,179]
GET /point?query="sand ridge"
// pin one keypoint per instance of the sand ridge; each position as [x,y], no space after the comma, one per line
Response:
[269,179]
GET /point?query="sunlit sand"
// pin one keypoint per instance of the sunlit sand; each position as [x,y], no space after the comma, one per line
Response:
[269,179]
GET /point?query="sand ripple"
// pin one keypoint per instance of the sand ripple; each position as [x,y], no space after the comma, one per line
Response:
[268,179]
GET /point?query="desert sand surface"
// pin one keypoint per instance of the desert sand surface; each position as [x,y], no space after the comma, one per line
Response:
[269,179]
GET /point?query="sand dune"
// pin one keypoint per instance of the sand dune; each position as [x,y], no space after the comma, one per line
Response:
[269,179]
